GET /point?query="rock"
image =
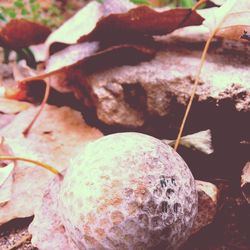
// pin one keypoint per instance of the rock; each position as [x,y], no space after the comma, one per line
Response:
[245,182]
[55,139]
[154,94]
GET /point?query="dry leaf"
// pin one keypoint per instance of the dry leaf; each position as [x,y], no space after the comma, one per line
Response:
[22,70]
[122,29]
[234,32]
[201,141]
[8,106]
[129,44]
[208,195]
[71,55]
[235,16]
[114,56]
[245,182]
[45,138]
[140,21]
[6,182]
[6,174]
[20,33]
[80,24]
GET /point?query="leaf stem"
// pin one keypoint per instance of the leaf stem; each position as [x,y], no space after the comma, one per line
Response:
[203,57]
[38,163]
[21,242]
[44,101]
[198,4]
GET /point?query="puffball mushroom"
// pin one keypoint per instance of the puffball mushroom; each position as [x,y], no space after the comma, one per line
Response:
[125,191]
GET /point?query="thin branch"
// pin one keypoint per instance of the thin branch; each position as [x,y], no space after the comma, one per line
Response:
[44,101]
[38,163]
[203,57]
[21,242]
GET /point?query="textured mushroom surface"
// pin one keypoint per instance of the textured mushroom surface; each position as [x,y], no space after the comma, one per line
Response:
[125,191]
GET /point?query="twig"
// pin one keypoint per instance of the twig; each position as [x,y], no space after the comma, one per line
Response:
[21,242]
[203,57]
[38,163]
[44,101]
[198,4]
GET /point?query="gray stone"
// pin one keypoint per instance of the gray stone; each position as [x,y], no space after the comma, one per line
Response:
[155,94]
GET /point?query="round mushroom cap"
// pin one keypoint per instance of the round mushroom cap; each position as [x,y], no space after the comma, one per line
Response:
[128,191]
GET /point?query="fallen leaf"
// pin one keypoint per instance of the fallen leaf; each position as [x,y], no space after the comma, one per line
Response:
[6,174]
[201,141]
[20,33]
[208,195]
[245,182]
[62,78]
[6,182]
[140,21]
[234,17]
[71,55]
[45,138]
[22,70]
[131,47]
[6,119]
[235,32]
[82,23]
[8,106]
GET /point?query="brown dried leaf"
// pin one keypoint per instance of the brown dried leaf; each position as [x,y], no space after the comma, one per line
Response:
[6,174]
[245,182]
[8,106]
[20,33]
[44,138]
[80,24]
[141,21]
[124,54]
[6,182]
[235,18]
[127,54]
[234,32]
[208,195]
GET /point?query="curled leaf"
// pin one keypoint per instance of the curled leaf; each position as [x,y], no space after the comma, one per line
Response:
[236,15]
[201,141]
[81,23]
[114,56]
[208,195]
[141,21]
